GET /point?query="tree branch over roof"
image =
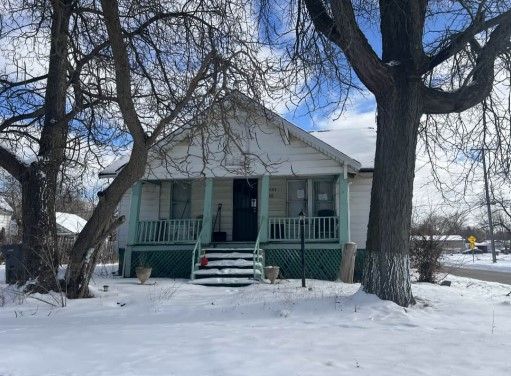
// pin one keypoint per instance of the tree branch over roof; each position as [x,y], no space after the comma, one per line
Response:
[123,71]
[344,31]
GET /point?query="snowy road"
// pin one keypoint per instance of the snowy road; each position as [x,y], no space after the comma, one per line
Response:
[481,274]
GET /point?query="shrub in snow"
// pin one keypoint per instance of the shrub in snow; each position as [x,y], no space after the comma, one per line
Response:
[424,256]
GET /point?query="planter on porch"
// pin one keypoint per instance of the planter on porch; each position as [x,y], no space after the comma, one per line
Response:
[271,273]
[143,273]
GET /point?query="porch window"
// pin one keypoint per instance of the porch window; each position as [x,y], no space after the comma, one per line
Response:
[181,200]
[296,197]
[324,198]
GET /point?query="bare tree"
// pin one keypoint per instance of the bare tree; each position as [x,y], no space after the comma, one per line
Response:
[191,56]
[421,71]
[34,110]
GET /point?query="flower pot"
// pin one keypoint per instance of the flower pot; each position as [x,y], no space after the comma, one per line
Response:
[143,273]
[271,273]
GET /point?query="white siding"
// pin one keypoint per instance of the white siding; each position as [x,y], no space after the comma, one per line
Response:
[165,197]
[360,200]
[197,198]
[268,151]
[278,197]
[222,194]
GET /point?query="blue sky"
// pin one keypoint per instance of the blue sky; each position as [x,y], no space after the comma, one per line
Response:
[360,106]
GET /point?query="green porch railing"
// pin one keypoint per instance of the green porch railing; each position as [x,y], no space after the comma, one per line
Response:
[167,231]
[315,229]
[197,254]
[258,257]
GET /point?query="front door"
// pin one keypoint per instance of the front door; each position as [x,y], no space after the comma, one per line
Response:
[244,201]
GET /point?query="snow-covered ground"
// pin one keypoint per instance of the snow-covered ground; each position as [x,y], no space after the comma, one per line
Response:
[175,328]
[482,261]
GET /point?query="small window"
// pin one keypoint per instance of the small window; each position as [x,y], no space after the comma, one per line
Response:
[296,197]
[181,200]
[324,198]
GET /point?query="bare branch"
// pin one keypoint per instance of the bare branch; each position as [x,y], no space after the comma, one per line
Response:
[344,31]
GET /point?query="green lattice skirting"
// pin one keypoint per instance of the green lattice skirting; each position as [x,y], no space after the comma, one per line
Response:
[166,264]
[319,263]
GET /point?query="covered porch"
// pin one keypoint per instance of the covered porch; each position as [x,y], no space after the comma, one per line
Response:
[183,217]
[243,210]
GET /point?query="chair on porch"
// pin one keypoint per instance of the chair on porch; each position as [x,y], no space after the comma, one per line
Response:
[326,225]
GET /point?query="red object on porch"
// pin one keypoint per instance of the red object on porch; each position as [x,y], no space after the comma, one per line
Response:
[203,261]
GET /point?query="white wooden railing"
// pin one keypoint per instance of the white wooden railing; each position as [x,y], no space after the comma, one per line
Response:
[167,231]
[315,229]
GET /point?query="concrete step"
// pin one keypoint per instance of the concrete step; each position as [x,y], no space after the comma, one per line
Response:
[224,272]
[229,250]
[217,281]
[230,255]
[229,263]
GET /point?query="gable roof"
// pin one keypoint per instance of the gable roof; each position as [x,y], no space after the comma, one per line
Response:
[357,142]
[304,136]
[309,139]
[70,222]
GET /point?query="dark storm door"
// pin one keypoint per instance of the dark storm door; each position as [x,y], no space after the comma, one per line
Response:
[244,201]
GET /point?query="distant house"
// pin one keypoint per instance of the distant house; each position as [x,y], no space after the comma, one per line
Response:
[68,227]
[69,224]
[240,210]
[449,243]
[7,225]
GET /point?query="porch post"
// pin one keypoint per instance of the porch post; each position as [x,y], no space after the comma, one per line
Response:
[136,195]
[263,208]
[343,210]
[207,211]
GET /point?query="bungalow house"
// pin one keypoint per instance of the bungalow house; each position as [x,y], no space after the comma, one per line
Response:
[215,205]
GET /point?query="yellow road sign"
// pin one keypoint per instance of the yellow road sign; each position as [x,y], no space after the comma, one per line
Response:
[472,240]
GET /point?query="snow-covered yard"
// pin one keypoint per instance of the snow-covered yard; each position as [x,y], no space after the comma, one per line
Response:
[175,328]
[481,261]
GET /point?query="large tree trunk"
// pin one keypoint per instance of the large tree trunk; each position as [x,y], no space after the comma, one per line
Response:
[386,271]
[39,180]
[100,225]
[40,258]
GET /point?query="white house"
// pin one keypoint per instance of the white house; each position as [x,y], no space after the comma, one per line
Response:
[69,224]
[235,200]
[7,225]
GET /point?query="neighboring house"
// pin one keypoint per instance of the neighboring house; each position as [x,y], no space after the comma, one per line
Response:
[227,205]
[448,243]
[7,224]
[68,227]
[69,224]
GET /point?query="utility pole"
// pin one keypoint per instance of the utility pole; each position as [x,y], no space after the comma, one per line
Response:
[488,206]
[486,185]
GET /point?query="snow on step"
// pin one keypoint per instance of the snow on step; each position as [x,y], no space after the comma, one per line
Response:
[243,250]
[223,281]
[226,271]
[231,255]
[238,262]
